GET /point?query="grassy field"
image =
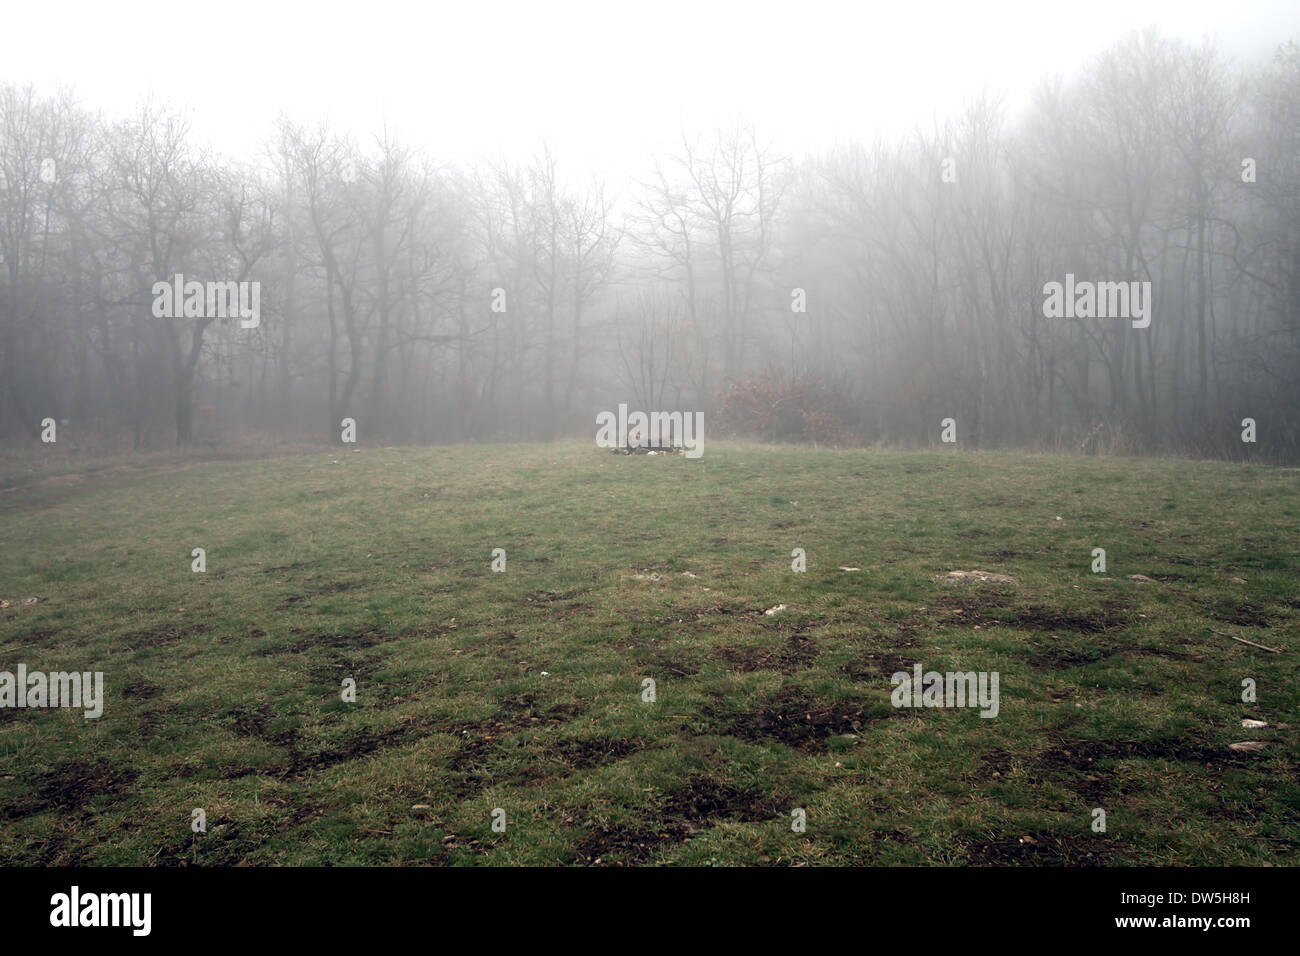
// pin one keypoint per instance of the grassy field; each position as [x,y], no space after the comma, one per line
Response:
[522,690]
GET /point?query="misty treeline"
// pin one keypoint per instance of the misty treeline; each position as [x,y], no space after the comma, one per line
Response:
[864,294]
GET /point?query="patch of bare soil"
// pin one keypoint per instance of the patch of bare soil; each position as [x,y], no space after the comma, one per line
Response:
[352,746]
[361,639]
[1082,767]
[793,717]
[969,609]
[1042,848]
[875,665]
[163,636]
[1084,754]
[1243,615]
[524,711]
[672,662]
[1058,654]
[694,806]
[586,753]
[338,664]
[481,762]
[140,690]
[795,654]
[68,787]
[627,845]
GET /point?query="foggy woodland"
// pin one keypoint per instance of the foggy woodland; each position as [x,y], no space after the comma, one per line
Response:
[857,295]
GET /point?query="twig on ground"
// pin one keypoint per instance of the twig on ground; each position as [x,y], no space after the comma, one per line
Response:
[1271,650]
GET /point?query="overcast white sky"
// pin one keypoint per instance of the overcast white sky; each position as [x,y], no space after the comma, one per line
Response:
[604,82]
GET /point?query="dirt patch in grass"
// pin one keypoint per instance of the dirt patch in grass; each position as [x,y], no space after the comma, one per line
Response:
[793,717]
[627,845]
[337,666]
[367,638]
[481,762]
[872,666]
[353,745]
[226,845]
[1082,755]
[515,714]
[251,723]
[705,615]
[1061,655]
[701,800]
[524,711]
[1166,652]
[1004,555]
[1243,615]
[1078,766]
[162,636]
[1073,770]
[687,809]
[37,638]
[71,785]
[557,602]
[967,609]
[795,654]
[673,665]
[1042,848]
[996,761]
[586,753]
[1040,618]
[484,761]
[140,690]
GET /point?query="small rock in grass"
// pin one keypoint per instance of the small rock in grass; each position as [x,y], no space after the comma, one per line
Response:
[1141,579]
[774,610]
[1252,724]
[1248,746]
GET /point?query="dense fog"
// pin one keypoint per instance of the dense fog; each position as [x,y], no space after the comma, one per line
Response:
[1115,269]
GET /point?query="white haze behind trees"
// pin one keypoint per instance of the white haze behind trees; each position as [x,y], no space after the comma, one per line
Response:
[650,185]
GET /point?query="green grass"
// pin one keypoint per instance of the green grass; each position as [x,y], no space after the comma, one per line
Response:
[223,688]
